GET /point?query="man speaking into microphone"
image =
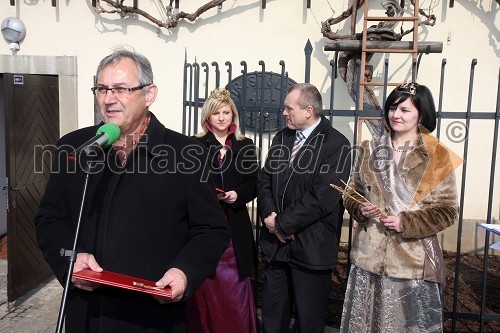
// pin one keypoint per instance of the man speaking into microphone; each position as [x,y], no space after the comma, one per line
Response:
[146,213]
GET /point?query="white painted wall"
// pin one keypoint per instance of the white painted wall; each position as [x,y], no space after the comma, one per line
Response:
[241,30]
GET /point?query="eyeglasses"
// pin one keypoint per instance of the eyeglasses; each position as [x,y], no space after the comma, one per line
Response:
[119,92]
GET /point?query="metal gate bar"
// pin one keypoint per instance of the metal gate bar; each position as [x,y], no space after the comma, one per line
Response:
[264,119]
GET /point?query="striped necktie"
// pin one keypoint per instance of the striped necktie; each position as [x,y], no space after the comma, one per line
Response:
[296,145]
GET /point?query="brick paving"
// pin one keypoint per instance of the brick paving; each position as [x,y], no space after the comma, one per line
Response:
[35,312]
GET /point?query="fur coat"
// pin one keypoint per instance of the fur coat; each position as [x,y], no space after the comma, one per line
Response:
[427,172]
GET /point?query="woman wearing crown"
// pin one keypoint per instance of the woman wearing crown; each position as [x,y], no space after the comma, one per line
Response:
[402,192]
[225,303]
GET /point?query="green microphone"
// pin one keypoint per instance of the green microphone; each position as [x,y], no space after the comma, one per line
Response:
[111,133]
[106,135]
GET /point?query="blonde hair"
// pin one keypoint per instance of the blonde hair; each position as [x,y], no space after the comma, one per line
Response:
[218,98]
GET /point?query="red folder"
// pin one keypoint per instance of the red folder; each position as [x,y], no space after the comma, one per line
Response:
[122,281]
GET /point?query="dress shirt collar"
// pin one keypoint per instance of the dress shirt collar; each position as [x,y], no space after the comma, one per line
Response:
[310,129]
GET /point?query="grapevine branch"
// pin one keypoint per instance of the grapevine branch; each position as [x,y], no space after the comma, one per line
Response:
[173,18]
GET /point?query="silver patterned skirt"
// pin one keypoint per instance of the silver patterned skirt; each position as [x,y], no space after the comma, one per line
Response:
[375,303]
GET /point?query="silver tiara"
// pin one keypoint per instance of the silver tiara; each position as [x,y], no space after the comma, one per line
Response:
[408,87]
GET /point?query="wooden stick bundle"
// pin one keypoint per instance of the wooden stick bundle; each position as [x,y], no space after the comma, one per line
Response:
[345,193]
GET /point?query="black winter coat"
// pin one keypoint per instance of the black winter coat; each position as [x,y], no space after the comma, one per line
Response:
[155,213]
[239,173]
[307,206]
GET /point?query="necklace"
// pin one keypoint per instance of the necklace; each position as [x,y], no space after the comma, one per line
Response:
[403,150]
[406,147]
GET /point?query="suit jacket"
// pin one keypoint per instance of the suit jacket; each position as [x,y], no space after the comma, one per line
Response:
[239,174]
[307,206]
[155,213]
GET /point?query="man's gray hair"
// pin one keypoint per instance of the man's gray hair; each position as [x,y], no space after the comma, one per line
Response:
[309,96]
[144,70]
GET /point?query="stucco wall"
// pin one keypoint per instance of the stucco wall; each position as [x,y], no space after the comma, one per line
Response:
[241,30]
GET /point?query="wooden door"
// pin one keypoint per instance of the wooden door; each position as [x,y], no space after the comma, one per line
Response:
[32,118]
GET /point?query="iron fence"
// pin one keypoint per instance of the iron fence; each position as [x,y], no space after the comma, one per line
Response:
[259,97]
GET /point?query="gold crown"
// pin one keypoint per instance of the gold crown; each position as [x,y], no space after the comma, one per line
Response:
[220,94]
[408,87]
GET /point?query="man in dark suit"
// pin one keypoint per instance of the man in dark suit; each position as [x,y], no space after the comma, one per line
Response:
[301,213]
[148,212]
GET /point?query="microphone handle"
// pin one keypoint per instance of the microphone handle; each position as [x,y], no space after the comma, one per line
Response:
[99,141]
[89,143]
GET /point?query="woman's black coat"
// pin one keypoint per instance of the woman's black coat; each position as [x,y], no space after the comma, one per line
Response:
[240,169]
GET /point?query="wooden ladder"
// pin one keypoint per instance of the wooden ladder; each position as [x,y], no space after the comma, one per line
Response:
[364,49]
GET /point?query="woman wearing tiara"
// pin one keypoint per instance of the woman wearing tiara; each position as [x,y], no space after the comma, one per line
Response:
[402,192]
[224,303]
